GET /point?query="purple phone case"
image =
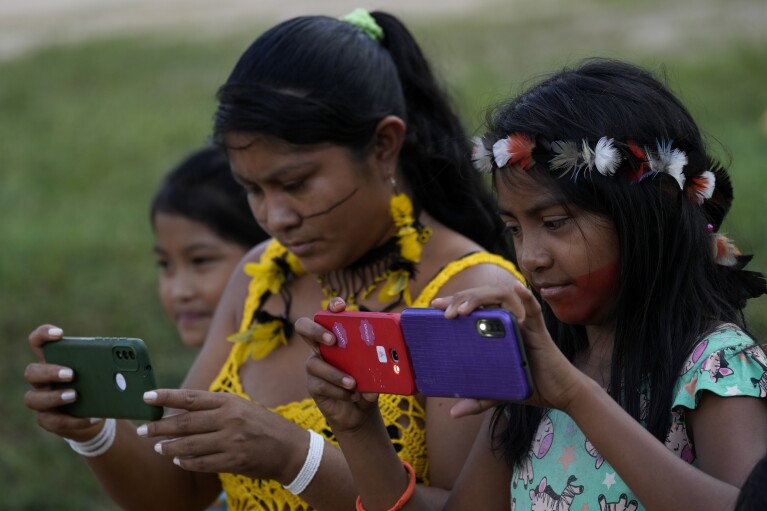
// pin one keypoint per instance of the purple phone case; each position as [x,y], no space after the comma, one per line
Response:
[451,359]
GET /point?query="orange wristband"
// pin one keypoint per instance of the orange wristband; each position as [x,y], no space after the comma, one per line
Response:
[405,496]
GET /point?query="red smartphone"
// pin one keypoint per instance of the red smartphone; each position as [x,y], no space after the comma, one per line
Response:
[370,348]
[476,356]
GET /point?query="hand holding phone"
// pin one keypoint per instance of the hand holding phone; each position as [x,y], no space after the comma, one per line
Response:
[370,348]
[111,375]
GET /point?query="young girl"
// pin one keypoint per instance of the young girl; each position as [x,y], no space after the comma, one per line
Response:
[356,166]
[202,227]
[649,392]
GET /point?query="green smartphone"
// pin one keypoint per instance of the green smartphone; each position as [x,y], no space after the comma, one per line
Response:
[111,375]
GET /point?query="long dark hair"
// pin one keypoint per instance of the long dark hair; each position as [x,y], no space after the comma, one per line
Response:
[671,290]
[201,187]
[316,79]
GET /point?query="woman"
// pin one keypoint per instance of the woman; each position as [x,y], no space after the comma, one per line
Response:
[357,167]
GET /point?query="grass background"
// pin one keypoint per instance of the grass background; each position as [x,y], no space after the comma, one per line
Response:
[87,129]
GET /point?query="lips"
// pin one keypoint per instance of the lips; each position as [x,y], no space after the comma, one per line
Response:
[188,318]
[299,248]
[550,290]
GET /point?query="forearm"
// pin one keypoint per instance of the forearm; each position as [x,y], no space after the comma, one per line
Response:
[136,477]
[659,479]
[378,473]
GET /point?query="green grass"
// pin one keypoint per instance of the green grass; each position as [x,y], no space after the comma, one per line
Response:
[87,130]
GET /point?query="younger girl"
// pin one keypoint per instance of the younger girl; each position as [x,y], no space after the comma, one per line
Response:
[649,392]
[202,228]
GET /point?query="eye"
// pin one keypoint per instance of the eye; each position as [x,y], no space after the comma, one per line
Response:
[556,223]
[203,260]
[162,264]
[512,229]
[293,186]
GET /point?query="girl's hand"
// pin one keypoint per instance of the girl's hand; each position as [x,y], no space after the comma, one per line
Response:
[221,432]
[45,401]
[333,390]
[555,380]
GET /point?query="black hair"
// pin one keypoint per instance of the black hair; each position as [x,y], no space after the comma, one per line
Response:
[671,291]
[315,79]
[202,188]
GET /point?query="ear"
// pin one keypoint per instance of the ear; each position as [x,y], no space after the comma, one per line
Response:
[389,137]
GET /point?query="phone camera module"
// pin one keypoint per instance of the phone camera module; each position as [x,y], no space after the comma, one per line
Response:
[490,328]
[394,355]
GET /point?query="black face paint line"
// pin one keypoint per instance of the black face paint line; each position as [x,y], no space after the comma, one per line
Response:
[332,206]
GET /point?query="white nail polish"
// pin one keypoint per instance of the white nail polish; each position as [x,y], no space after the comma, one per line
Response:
[55,331]
[150,395]
[66,374]
[68,395]
[142,430]
[158,447]
[95,420]
[177,461]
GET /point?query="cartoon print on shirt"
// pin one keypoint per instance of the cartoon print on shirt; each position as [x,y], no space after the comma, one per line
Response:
[677,441]
[540,446]
[717,366]
[621,505]
[594,454]
[544,499]
[694,356]
[758,356]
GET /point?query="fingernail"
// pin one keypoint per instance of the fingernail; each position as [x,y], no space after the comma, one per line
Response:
[55,331]
[150,395]
[177,461]
[327,337]
[347,382]
[158,449]
[142,430]
[66,374]
[95,420]
[68,395]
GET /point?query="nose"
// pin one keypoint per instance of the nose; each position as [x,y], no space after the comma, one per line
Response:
[532,254]
[181,285]
[275,213]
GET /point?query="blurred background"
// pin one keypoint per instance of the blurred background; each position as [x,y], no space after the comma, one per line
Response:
[99,98]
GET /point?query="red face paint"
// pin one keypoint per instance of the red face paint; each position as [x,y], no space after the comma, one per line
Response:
[589,299]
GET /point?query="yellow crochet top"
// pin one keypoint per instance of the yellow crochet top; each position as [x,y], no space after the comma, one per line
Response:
[403,415]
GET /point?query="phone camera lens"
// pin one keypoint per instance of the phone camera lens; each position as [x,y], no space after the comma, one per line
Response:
[119,354]
[394,355]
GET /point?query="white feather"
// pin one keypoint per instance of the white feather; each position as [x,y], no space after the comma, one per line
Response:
[606,157]
[501,152]
[587,154]
[669,161]
[565,157]
[481,157]
[707,191]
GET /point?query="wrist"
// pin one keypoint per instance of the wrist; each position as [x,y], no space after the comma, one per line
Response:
[309,465]
[97,445]
[583,388]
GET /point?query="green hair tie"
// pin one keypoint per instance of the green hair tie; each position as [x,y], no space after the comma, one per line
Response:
[362,19]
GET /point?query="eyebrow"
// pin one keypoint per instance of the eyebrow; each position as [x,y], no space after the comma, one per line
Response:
[275,174]
[535,210]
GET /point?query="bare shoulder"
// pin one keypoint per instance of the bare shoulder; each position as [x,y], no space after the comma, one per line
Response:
[469,264]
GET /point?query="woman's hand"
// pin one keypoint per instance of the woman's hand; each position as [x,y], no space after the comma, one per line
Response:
[555,380]
[334,391]
[221,432]
[45,401]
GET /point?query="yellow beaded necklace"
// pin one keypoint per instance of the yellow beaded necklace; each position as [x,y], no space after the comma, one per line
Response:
[265,332]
